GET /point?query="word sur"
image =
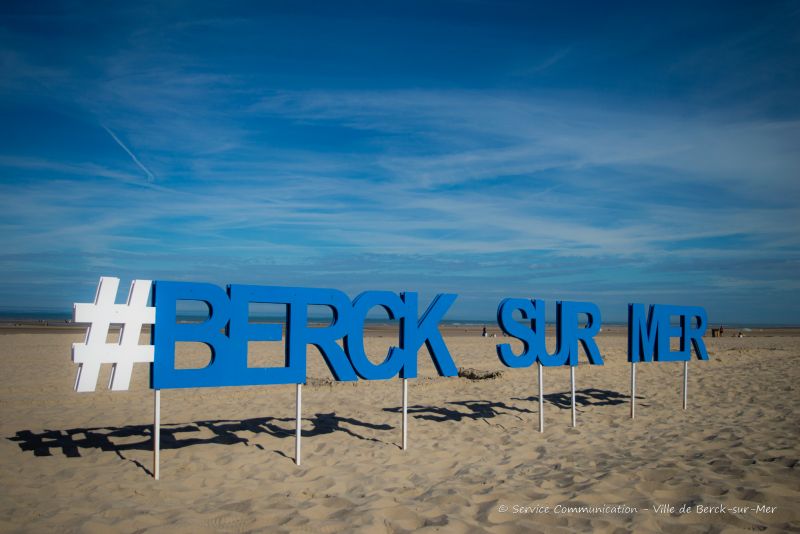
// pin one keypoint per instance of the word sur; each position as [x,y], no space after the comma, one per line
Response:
[532,334]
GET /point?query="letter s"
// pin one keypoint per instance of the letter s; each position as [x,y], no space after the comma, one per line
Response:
[523,332]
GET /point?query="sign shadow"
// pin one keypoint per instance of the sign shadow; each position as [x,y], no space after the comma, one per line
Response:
[70,442]
[583,397]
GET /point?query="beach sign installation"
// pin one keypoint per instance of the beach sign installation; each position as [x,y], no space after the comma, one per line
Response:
[227,331]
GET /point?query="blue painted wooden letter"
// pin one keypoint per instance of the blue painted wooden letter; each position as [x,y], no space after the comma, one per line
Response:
[649,335]
[414,333]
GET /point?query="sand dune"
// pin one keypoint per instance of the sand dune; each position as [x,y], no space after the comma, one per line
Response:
[81,462]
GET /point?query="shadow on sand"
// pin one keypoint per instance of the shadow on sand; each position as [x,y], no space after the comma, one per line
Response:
[482,409]
[583,397]
[71,441]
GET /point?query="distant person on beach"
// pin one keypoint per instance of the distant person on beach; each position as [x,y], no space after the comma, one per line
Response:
[484,332]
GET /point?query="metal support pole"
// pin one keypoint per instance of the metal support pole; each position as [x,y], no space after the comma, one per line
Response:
[685,382]
[572,385]
[405,413]
[541,399]
[633,390]
[156,433]
[298,424]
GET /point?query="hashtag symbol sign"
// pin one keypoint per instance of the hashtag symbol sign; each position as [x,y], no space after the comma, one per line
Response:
[100,315]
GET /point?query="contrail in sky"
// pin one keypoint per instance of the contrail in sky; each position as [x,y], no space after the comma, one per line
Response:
[150,176]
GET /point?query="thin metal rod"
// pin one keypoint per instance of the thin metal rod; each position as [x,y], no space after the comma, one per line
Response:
[156,434]
[572,385]
[298,424]
[541,399]
[685,382]
[405,413]
[633,390]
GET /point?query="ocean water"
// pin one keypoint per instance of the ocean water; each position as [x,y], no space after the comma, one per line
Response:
[53,317]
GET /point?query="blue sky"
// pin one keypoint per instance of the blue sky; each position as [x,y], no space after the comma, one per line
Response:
[615,153]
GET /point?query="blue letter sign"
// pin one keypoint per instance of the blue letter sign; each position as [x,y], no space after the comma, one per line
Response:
[649,334]
[568,333]
[228,330]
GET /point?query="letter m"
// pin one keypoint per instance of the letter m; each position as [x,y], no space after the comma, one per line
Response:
[642,333]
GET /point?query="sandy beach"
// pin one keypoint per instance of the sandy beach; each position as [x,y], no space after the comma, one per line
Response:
[476,461]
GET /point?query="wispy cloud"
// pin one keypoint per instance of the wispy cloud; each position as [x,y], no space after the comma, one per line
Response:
[482,135]
[150,176]
[299,167]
